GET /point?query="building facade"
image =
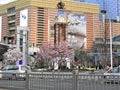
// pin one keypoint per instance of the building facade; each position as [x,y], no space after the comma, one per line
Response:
[39,17]
[111,6]
[84,29]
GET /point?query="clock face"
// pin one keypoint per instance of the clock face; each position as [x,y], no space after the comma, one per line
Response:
[62,19]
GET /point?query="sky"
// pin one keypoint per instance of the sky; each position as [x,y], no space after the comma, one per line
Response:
[5,1]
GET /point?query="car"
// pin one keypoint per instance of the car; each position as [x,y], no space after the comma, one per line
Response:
[14,71]
[112,75]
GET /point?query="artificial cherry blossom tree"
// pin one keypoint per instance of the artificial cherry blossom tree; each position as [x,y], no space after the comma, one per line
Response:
[12,55]
[49,54]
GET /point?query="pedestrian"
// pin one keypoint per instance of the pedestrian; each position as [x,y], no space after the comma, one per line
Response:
[107,67]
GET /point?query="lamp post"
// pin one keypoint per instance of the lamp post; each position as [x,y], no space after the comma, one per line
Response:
[111,56]
[110,30]
[118,17]
[55,35]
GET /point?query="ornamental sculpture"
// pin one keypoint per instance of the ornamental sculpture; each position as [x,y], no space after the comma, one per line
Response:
[60,5]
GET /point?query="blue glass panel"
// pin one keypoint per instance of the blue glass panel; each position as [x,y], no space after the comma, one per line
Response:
[109,5]
[60,12]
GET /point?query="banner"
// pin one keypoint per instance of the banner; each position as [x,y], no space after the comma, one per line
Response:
[24,17]
[76,31]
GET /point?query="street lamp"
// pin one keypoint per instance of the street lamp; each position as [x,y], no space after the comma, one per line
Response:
[110,29]
[111,56]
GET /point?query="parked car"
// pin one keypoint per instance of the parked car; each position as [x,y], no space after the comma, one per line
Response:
[14,71]
[112,75]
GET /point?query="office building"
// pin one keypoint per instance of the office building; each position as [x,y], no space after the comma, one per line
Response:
[111,6]
[39,17]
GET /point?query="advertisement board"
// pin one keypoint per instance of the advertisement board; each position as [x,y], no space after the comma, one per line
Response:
[75,28]
[76,31]
[24,17]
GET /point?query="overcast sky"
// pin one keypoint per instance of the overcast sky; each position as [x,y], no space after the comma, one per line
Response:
[5,1]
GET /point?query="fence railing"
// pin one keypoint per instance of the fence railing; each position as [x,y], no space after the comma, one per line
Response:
[59,81]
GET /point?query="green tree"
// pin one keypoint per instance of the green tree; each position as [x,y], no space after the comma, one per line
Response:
[81,56]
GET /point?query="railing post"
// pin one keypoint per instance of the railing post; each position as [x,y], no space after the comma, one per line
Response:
[26,80]
[75,80]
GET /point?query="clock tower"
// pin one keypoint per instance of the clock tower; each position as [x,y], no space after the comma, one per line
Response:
[60,26]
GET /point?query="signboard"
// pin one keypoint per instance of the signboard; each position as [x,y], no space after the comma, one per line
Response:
[24,17]
[75,27]
[76,31]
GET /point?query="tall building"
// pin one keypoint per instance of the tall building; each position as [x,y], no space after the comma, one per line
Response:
[84,27]
[111,6]
[39,17]
[109,21]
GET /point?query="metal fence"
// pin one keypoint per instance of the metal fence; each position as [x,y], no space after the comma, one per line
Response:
[59,81]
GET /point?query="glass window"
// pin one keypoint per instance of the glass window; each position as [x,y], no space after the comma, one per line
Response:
[11,10]
[73,37]
[69,36]
[51,35]
[52,28]
[119,69]
[25,68]
[11,32]
[3,68]
[11,18]
[21,41]
[12,24]
[114,70]
[13,67]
